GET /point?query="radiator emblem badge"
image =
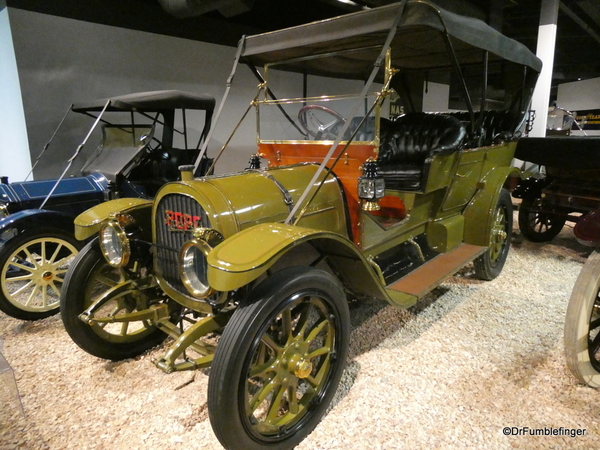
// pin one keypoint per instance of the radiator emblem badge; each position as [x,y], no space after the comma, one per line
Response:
[176,221]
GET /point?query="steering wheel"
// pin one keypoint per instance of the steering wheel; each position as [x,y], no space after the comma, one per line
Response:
[316,121]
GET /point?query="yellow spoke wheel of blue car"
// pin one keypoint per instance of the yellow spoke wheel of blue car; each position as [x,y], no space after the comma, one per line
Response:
[90,277]
[33,266]
[279,361]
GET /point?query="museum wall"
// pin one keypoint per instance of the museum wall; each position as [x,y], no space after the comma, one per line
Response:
[62,61]
[14,148]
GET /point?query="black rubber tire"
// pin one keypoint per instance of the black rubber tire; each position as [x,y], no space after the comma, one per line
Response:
[489,265]
[76,297]
[538,227]
[582,324]
[45,278]
[242,342]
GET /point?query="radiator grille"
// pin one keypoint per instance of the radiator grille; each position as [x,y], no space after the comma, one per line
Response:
[176,217]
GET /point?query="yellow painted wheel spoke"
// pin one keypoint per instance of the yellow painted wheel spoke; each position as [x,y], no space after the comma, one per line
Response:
[62,261]
[268,340]
[261,370]
[22,267]
[22,288]
[32,295]
[318,378]
[44,295]
[21,278]
[260,396]
[30,258]
[286,325]
[302,320]
[55,254]
[273,413]
[316,330]
[293,400]
[319,352]
[55,289]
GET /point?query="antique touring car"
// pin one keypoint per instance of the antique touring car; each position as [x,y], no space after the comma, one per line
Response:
[134,158]
[250,272]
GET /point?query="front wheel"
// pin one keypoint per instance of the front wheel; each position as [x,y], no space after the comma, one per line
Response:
[32,268]
[582,324]
[91,277]
[538,226]
[279,361]
[489,265]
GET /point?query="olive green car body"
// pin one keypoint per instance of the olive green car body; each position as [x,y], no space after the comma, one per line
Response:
[247,209]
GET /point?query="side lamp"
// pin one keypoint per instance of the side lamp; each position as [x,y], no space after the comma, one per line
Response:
[371,186]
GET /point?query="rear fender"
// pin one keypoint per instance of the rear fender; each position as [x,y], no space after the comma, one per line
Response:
[246,256]
[88,223]
[479,213]
[36,218]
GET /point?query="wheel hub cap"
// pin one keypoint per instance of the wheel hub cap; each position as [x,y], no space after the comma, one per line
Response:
[295,362]
[47,276]
[302,368]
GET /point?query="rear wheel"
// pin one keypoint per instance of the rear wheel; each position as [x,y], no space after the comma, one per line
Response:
[582,324]
[489,265]
[33,265]
[538,226]
[91,277]
[279,361]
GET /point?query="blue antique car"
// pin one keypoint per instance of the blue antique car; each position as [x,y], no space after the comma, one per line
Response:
[141,147]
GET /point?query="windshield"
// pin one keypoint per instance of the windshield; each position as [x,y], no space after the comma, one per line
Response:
[298,107]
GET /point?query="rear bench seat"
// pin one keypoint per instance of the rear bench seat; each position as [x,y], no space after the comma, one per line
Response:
[495,125]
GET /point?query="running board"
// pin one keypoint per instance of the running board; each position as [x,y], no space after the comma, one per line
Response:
[431,274]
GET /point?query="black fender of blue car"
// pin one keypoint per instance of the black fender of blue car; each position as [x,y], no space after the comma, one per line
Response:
[32,219]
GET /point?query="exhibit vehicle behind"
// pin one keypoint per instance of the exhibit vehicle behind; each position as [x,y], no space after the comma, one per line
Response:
[251,272]
[141,144]
[582,321]
[567,189]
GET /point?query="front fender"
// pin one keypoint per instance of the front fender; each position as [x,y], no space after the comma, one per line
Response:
[244,257]
[479,213]
[88,222]
[36,218]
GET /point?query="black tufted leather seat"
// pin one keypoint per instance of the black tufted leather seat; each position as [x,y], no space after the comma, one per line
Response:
[495,125]
[409,143]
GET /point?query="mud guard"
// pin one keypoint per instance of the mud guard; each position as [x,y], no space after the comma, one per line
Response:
[479,212]
[244,257]
[36,218]
[88,222]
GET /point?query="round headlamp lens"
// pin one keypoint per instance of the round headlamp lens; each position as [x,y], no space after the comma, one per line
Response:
[194,268]
[114,244]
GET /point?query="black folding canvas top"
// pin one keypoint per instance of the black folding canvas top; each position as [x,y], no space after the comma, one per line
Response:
[418,42]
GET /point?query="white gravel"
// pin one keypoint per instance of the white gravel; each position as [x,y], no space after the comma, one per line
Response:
[472,358]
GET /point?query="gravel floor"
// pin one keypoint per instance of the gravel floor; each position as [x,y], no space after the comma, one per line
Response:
[472,358]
